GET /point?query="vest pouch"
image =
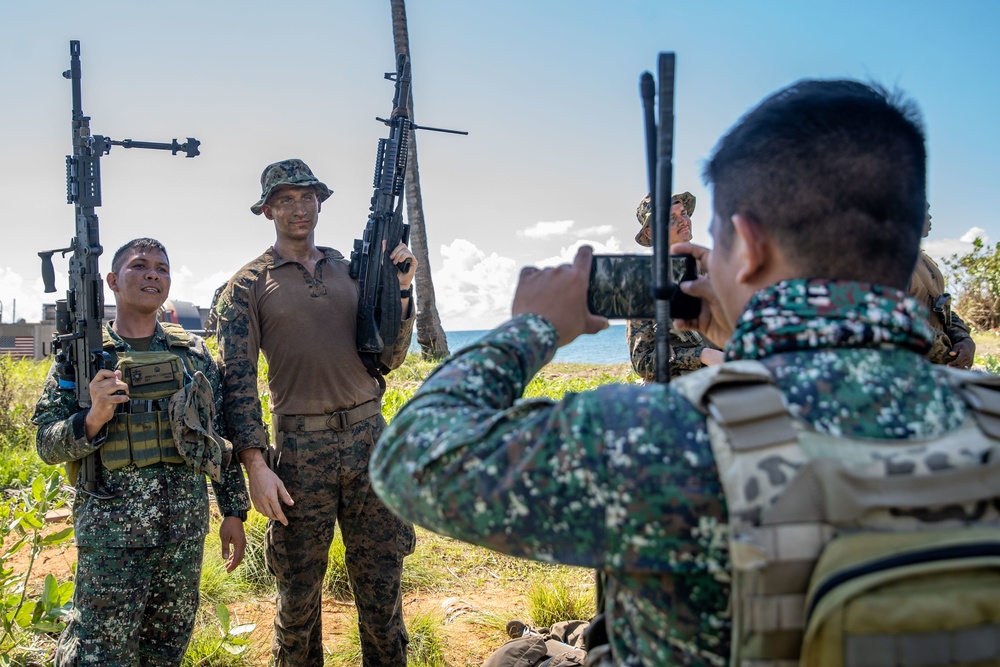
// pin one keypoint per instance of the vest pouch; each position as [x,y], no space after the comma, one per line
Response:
[924,598]
[144,438]
[151,375]
[116,452]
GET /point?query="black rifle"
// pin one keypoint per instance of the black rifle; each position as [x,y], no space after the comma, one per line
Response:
[77,344]
[660,172]
[659,169]
[379,307]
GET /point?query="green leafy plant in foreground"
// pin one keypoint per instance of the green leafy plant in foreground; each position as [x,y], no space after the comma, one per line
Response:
[233,640]
[29,620]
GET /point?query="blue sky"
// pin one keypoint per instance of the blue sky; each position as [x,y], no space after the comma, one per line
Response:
[548,90]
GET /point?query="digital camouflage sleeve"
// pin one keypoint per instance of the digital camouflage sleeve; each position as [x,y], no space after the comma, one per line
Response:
[153,505]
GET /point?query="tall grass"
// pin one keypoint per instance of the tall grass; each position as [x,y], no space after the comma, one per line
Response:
[21,382]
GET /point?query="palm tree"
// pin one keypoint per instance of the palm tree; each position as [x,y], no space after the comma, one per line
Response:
[430,335]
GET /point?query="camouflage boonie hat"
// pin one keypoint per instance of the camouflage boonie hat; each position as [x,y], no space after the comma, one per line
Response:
[642,213]
[288,172]
[192,411]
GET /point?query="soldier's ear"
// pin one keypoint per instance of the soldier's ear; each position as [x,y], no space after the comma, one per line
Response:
[755,248]
[112,280]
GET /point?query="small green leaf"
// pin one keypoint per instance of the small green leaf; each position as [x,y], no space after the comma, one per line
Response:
[57,537]
[48,626]
[38,488]
[222,611]
[242,629]
[50,592]
[233,647]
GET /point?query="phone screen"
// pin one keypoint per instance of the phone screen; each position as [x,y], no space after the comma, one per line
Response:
[621,287]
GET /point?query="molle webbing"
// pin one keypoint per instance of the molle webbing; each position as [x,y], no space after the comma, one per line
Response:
[798,499]
[140,434]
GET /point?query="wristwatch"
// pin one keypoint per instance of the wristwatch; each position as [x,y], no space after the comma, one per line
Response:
[406,293]
[239,514]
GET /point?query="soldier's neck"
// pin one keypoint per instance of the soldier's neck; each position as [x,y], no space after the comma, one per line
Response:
[134,325]
[303,251]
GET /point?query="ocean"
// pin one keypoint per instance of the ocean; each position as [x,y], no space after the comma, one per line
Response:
[606,347]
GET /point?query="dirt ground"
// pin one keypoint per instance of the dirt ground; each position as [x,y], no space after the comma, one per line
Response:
[468,643]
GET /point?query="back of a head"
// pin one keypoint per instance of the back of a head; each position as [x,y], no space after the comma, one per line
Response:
[835,171]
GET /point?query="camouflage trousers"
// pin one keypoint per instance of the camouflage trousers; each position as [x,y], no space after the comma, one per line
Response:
[132,607]
[326,473]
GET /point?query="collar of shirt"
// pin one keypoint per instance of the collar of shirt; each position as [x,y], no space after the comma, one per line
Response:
[807,314]
[277,260]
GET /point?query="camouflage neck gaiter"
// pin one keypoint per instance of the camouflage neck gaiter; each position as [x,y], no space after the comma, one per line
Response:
[813,314]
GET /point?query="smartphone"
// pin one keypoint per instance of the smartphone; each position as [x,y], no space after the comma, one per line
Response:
[621,287]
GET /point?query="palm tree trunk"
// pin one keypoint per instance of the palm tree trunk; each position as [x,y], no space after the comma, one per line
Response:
[430,334]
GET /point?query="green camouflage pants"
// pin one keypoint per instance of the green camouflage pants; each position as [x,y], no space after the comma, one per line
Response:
[132,607]
[326,473]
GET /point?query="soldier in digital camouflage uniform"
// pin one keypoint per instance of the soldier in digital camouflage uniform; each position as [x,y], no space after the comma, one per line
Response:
[622,478]
[140,551]
[953,344]
[688,350]
[297,304]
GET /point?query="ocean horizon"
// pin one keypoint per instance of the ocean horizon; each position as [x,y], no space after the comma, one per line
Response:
[605,347]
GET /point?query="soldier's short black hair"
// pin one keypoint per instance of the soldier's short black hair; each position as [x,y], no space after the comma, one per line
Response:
[144,244]
[835,171]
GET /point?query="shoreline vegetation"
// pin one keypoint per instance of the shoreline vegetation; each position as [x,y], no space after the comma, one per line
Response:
[457,598]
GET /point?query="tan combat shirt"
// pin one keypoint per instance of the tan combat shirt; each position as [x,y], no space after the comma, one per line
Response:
[306,327]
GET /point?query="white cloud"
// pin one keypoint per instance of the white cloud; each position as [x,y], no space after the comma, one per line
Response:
[600,230]
[566,254]
[544,230]
[944,248]
[186,286]
[473,289]
[22,300]
[973,234]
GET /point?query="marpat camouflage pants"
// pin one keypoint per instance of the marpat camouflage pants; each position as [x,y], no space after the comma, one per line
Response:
[326,473]
[132,607]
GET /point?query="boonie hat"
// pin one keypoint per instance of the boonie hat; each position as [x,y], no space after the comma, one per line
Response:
[642,213]
[288,172]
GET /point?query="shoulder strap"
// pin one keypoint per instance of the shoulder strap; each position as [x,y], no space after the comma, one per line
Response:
[107,342]
[981,392]
[177,336]
[742,398]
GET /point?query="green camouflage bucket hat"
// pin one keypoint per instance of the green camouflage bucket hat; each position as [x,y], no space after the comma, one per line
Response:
[642,213]
[288,172]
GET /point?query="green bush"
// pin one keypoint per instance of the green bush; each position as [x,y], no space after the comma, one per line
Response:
[21,382]
[31,620]
[974,279]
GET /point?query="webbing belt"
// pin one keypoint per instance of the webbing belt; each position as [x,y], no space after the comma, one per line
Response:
[926,649]
[335,421]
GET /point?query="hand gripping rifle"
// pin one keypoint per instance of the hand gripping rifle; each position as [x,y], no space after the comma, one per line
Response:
[659,161]
[379,307]
[77,344]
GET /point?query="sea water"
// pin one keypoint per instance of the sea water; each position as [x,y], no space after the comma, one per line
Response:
[605,347]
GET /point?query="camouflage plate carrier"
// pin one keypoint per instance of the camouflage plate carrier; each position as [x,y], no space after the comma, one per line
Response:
[140,433]
[856,552]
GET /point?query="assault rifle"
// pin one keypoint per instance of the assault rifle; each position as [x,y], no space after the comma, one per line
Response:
[379,307]
[660,173]
[77,344]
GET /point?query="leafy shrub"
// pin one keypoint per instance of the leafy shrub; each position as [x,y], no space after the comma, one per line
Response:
[29,621]
[974,279]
